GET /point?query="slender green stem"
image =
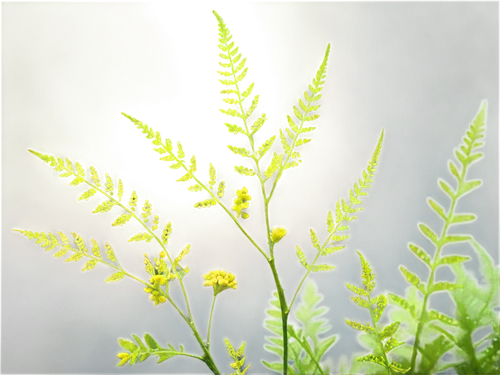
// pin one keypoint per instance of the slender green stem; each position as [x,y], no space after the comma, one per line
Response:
[234,219]
[271,261]
[189,355]
[207,356]
[210,320]
[284,314]
[377,333]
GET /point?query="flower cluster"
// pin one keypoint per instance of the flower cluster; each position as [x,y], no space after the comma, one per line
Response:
[241,202]
[156,296]
[220,280]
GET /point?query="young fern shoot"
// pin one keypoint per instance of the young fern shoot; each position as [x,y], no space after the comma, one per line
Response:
[376,306]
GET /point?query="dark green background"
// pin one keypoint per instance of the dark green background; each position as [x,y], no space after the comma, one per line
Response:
[418,70]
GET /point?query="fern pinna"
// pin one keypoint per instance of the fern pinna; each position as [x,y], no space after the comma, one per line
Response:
[432,327]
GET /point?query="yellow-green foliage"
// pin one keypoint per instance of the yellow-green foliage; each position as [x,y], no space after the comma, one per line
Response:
[239,358]
[477,352]
[343,213]
[301,344]
[307,342]
[141,351]
[383,337]
[433,328]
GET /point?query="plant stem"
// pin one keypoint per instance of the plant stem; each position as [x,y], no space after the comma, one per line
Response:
[370,303]
[320,251]
[210,321]
[207,356]
[232,217]
[284,314]
[274,269]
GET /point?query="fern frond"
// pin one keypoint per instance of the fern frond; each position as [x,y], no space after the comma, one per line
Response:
[142,351]
[466,155]
[475,311]
[48,241]
[303,114]
[343,212]
[306,346]
[376,306]
[169,151]
[78,172]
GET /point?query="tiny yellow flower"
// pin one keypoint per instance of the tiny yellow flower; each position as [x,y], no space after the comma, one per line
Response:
[277,234]
[220,280]
[124,358]
[241,202]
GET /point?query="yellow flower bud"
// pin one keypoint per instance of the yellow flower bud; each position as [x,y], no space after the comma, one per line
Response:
[277,234]
[220,280]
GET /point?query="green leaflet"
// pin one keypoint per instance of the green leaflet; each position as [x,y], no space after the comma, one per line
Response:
[306,341]
[121,220]
[141,237]
[244,171]
[117,276]
[143,351]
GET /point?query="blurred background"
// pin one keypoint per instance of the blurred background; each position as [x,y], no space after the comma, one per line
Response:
[417,70]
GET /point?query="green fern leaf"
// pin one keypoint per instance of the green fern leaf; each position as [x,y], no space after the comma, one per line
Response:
[167,231]
[428,232]
[156,222]
[169,151]
[438,209]
[141,237]
[213,179]
[146,346]
[314,239]
[463,218]
[322,268]
[453,259]
[258,123]
[121,220]
[306,345]
[221,189]
[117,276]
[276,162]
[265,147]
[133,201]
[109,185]
[147,208]
[254,104]
[402,302]
[240,151]
[302,258]
[206,203]
[420,253]
[294,130]
[49,242]
[248,91]
[120,190]
[412,279]
[89,193]
[376,306]
[435,315]
[234,128]
[104,206]
[443,285]
[244,171]
[343,210]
